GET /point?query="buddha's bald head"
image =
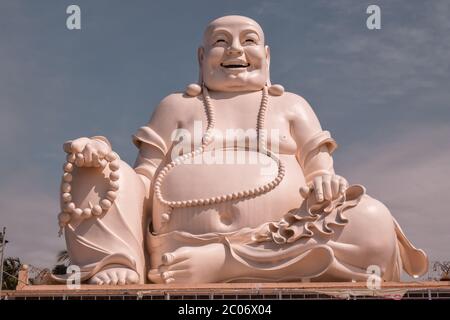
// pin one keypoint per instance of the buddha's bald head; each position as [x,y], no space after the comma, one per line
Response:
[233,56]
[227,21]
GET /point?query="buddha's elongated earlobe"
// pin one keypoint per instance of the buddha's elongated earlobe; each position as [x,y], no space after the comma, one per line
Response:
[194,89]
[276,89]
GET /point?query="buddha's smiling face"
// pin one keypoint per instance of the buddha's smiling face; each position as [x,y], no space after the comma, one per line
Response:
[233,56]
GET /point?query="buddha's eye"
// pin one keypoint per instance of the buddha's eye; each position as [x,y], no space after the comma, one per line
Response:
[220,41]
[249,41]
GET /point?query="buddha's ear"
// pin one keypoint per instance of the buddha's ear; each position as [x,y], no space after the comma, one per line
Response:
[267,55]
[194,89]
[268,83]
[200,57]
[274,89]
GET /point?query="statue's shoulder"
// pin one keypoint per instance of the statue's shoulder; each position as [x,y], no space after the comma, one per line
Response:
[292,98]
[295,103]
[173,103]
[175,100]
[297,109]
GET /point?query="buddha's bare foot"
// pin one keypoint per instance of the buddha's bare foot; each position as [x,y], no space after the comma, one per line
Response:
[194,264]
[115,276]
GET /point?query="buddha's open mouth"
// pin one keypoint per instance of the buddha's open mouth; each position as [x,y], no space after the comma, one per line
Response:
[235,65]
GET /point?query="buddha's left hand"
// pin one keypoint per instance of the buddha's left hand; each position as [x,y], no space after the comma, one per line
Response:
[325,187]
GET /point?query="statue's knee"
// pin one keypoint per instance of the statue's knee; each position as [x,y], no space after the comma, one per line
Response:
[379,252]
[375,212]
[372,230]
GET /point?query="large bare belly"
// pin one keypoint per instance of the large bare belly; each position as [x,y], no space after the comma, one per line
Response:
[206,181]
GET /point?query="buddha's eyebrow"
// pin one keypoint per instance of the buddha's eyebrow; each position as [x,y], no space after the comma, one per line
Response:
[217,32]
[251,30]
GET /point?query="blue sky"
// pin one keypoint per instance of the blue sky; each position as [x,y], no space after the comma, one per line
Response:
[383,94]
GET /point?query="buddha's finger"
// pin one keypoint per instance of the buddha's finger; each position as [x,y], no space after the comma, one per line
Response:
[67,146]
[95,160]
[87,153]
[102,149]
[102,163]
[305,192]
[318,189]
[343,185]
[79,161]
[335,186]
[78,144]
[326,185]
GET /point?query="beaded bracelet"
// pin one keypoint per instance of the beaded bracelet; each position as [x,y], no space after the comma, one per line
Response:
[69,209]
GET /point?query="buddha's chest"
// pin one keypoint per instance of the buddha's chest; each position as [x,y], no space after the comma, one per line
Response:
[236,123]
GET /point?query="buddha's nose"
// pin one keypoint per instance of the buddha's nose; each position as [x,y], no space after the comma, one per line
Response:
[235,48]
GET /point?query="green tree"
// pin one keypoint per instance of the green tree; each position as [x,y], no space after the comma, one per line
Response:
[1,240]
[62,262]
[11,267]
[444,269]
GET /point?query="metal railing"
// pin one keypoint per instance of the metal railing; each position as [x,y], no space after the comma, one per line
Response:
[419,294]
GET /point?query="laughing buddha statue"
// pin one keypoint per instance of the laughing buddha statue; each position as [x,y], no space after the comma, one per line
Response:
[234,182]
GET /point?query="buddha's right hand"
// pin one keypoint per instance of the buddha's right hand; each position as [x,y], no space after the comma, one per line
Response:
[89,152]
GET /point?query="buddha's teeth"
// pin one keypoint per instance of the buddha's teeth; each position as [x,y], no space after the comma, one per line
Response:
[236,65]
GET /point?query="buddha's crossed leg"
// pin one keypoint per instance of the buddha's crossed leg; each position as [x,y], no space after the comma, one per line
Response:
[108,248]
[370,238]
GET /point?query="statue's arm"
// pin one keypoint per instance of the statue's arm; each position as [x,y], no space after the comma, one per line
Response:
[314,145]
[154,139]
[314,149]
[148,160]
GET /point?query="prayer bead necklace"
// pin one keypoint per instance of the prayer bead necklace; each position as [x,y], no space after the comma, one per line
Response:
[208,139]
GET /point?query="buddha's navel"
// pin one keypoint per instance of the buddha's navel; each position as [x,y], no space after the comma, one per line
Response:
[228,216]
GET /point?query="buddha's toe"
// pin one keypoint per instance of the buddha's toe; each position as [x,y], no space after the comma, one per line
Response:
[100,278]
[176,276]
[112,274]
[131,277]
[115,276]
[95,280]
